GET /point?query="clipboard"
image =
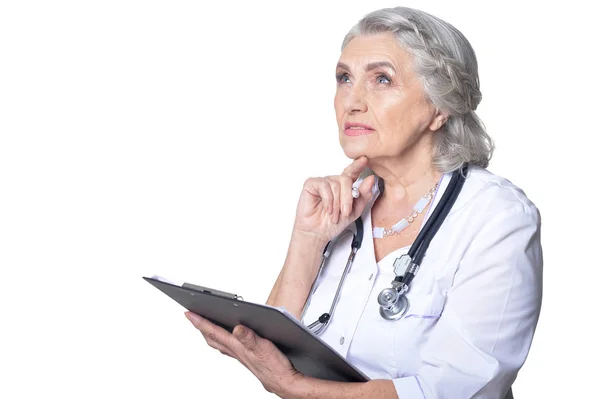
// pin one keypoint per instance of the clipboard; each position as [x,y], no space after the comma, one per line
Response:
[308,353]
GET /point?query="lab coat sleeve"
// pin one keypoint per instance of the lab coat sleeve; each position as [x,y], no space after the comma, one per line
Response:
[485,330]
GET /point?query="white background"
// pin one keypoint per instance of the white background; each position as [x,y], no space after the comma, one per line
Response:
[173,138]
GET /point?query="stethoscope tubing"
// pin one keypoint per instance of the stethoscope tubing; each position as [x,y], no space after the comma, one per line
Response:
[421,243]
[416,251]
[357,239]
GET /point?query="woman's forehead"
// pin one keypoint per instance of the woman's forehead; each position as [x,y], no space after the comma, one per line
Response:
[381,47]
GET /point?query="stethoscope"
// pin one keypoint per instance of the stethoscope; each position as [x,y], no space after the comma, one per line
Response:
[393,303]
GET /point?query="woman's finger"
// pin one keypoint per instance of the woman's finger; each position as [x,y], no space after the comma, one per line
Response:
[218,346]
[212,340]
[216,337]
[213,334]
[355,168]
[346,198]
[334,185]
[319,188]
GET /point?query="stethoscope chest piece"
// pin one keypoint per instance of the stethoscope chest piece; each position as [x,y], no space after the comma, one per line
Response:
[392,304]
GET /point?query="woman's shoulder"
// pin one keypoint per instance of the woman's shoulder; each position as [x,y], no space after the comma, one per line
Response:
[487,192]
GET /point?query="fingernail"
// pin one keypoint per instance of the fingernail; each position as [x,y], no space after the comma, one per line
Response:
[192,317]
[241,332]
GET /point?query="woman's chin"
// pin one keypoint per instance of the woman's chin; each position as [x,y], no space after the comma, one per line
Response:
[354,151]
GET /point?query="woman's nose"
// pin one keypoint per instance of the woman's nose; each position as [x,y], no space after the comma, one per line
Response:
[355,102]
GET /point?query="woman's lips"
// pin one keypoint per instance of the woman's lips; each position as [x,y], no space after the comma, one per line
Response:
[357,131]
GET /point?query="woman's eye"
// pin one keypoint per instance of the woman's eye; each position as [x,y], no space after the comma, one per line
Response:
[342,78]
[383,79]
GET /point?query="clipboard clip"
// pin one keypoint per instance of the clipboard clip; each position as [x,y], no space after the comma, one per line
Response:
[207,290]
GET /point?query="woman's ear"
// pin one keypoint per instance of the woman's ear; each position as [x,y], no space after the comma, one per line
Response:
[438,120]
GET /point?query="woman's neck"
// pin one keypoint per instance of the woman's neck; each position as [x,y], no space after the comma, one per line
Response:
[405,178]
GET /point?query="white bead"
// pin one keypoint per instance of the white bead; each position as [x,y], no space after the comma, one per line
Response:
[378,232]
[401,225]
[421,204]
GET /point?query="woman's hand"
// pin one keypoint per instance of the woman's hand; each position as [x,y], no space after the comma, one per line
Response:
[326,206]
[259,355]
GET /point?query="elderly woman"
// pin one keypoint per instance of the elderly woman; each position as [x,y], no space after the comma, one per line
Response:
[407,90]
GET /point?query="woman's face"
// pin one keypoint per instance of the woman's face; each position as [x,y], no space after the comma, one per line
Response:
[376,87]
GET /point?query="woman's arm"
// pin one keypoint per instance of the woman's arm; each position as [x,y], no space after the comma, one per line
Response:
[275,371]
[326,206]
[309,388]
[298,273]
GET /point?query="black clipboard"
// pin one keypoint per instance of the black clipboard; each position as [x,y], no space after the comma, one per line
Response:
[308,353]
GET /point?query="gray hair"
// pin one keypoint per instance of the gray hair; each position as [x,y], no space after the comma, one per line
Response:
[447,66]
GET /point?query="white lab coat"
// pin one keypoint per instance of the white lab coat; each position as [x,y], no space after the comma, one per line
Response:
[474,303]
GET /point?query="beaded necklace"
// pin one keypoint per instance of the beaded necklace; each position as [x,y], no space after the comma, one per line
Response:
[380,232]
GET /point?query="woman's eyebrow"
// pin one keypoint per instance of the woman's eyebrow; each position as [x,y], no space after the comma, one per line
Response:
[379,64]
[370,66]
